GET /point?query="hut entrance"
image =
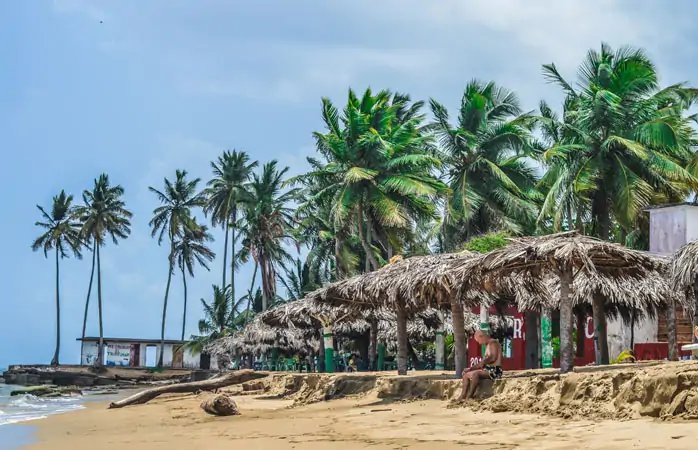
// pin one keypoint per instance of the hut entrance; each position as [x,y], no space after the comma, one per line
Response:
[205,361]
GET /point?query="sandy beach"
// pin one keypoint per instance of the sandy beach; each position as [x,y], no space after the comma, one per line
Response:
[365,421]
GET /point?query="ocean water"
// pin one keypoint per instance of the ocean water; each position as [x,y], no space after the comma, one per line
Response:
[23,408]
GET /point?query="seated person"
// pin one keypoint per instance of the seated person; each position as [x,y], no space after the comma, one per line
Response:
[490,366]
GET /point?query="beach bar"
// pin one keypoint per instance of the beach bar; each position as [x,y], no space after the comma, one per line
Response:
[129,352]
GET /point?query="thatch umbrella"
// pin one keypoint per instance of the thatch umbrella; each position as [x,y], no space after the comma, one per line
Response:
[257,338]
[406,287]
[421,326]
[564,256]
[684,279]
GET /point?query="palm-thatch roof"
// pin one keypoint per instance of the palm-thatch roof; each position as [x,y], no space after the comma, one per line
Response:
[258,337]
[424,282]
[535,254]
[421,326]
[626,297]
[683,273]
[630,280]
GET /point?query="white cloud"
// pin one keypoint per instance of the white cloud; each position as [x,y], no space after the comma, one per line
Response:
[88,8]
[296,70]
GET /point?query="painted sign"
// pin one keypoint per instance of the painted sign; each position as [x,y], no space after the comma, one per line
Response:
[89,353]
[118,354]
[546,340]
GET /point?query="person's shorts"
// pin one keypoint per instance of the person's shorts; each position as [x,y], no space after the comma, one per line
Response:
[495,372]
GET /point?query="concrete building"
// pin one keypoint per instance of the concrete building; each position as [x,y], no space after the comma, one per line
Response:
[126,352]
[671,226]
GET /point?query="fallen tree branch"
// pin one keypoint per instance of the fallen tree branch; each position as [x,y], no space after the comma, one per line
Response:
[228,379]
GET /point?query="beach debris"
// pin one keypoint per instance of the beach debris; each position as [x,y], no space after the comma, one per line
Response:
[220,405]
[227,379]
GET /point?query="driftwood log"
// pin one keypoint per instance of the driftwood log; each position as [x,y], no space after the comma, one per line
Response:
[228,379]
[220,405]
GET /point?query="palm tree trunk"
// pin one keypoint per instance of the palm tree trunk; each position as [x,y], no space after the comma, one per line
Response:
[265,285]
[373,343]
[633,319]
[694,338]
[460,341]
[671,332]
[89,291]
[184,315]
[100,350]
[603,226]
[401,338]
[338,258]
[600,333]
[365,244]
[54,361]
[249,295]
[164,305]
[225,252]
[232,258]
[566,322]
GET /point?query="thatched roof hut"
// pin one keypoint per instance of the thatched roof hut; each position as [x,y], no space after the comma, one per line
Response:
[683,273]
[421,326]
[421,282]
[258,337]
[597,269]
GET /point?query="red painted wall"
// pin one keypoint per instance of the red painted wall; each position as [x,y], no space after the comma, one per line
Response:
[653,351]
[517,359]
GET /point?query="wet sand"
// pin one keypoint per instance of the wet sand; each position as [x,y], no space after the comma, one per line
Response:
[177,423]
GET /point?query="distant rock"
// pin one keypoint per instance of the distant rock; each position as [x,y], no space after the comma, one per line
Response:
[47,391]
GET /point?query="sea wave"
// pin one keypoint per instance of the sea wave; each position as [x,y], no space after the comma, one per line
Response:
[29,407]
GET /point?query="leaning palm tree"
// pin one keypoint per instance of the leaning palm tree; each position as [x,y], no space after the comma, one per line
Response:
[62,234]
[269,218]
[485,157]
[102,215]
[173,218]
[191,249]
[628,141]
[226,195]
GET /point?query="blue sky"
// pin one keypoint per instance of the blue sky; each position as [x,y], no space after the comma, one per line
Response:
[139,88]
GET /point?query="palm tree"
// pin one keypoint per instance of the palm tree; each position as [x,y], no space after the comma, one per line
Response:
[484,156]
[226,194]
[377,174]
[300,279]
[102,215]
[269,217]
[334,252]
[173,218]
[218,321]
[89,245]
[62,234]
[627,144]
[191,249]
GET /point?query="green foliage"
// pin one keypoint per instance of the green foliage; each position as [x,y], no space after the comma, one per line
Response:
[488,242]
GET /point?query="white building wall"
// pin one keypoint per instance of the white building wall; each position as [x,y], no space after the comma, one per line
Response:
[142,355]
[166,354]
[89,353]
[668,229]
[619,335]
[191,360]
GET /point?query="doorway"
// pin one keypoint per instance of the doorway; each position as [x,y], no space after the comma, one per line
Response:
[151,352]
